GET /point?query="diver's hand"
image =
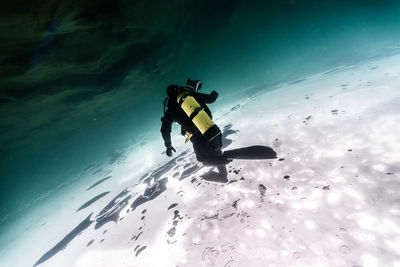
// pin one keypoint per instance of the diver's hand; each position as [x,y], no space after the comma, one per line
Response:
[214,96]
[169,150]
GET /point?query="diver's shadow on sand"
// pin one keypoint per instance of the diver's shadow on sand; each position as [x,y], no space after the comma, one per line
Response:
[213,176]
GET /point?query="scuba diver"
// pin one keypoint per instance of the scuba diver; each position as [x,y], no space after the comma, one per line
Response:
[186,106]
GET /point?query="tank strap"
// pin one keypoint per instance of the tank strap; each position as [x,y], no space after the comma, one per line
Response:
[195,112]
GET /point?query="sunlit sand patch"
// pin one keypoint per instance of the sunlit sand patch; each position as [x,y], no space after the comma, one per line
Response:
[334,197]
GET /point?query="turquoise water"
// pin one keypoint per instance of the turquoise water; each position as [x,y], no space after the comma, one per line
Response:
[237,48]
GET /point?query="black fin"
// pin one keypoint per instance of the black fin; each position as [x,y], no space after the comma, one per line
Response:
[250,152]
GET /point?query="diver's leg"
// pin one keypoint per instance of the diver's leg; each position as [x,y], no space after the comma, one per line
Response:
[216,159]
[209,154]
[216,152]
[199,149]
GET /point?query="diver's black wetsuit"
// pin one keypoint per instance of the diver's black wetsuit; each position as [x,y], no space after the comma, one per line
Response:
[209,153]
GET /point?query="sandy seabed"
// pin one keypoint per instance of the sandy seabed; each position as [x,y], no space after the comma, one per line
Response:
[330,199]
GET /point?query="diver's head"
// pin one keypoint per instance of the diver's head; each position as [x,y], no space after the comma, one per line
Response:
[194,84]
[173,90]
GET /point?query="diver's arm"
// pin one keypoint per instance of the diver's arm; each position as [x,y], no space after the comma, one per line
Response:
[166,130]
[166,134]
[207,98]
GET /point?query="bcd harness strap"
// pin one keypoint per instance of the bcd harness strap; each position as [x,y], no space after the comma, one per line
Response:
[195,112]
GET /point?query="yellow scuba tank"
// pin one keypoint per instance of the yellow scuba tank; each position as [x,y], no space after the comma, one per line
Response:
[198,116]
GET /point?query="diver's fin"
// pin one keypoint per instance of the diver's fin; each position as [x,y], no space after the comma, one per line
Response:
[250,152]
